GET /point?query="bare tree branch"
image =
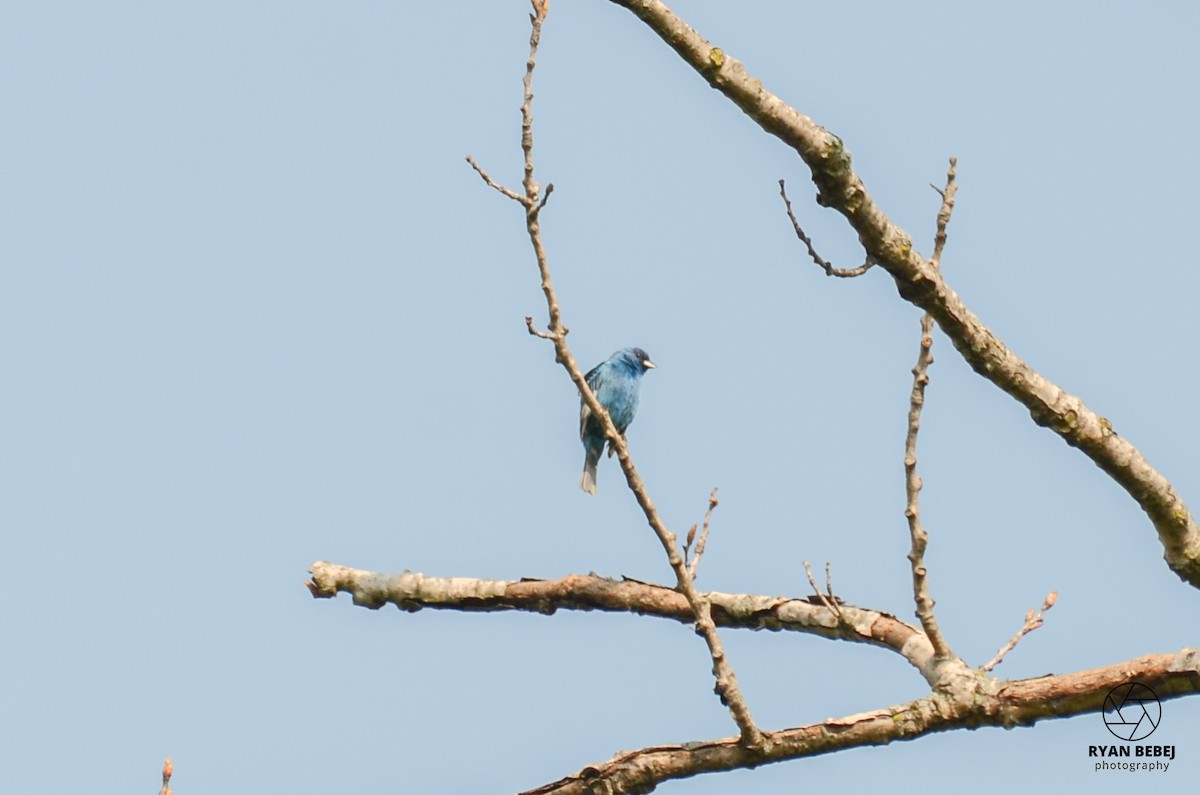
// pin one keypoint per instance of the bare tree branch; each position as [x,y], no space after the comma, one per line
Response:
[985,703]
[912,488]
[411,591]
[920,282]
[912,480]
[726,681]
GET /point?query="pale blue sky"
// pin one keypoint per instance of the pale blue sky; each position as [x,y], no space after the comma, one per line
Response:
[256,311]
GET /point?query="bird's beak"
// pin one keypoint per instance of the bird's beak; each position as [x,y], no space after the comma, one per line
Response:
[649,365]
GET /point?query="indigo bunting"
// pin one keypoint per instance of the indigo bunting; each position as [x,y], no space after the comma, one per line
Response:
[615,382]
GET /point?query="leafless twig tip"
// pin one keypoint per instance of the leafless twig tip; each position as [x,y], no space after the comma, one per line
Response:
[703,539]
[1033,620]
[830,602]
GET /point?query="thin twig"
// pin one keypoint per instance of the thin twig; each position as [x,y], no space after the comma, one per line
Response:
[912,480]
[824,264]
[535,331]
[1033,620]
[491,183]
[712,503]
[943,217]
[726,681]
[829,601]
[530,201]
[912,487]
[540,9]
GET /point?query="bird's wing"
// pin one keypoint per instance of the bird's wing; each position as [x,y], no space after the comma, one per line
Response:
[594,378]
[584,413]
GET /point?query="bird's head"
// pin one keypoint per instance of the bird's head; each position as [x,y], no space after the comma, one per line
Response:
[639,359]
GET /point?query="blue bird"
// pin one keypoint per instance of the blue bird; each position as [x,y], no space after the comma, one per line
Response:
[615,382]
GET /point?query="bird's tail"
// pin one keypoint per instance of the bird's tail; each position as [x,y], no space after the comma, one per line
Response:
[590,459]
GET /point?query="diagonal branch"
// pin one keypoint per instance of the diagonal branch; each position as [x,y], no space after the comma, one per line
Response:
[920,283]
[1008,704]
[726,681]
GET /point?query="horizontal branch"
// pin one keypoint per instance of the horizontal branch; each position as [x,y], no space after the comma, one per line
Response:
[919,282]
[1004,704]
[412,592]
